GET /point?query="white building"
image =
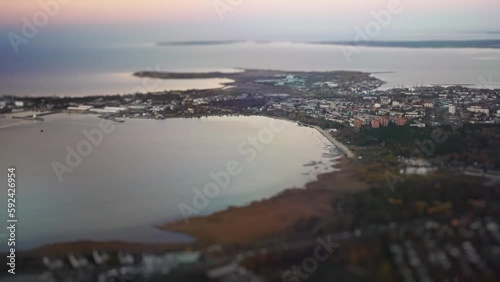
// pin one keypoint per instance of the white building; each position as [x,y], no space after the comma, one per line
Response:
[418,124]
[452,109]
[158,108]
[200,101]
[137,107]
[109,110]
[19,104]
[477,109]
[80,108]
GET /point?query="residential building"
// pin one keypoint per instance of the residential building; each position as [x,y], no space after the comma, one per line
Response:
[357,123]
[452,109]
[384,121]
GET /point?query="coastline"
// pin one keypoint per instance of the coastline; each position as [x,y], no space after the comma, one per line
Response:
[281,215]
[284,211]
[277,215]
[284,214]
[339,145]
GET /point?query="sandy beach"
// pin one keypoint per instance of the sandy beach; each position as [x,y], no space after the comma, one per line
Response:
[341,147]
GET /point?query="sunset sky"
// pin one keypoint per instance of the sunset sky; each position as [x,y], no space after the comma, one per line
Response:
[259,19]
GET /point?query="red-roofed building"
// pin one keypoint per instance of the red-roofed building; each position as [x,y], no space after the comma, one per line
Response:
[384,121]
[357,123]
[401,121]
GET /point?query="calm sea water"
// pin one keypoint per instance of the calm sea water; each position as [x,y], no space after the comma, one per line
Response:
[140,173]
[92,67]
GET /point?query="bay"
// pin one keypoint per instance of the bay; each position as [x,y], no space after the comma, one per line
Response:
[143,170]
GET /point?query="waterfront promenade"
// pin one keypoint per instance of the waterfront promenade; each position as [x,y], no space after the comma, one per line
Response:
[335,142]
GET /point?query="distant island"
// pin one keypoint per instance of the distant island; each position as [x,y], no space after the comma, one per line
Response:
[419,44]
[201,42]
[493,43]
[278,81]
